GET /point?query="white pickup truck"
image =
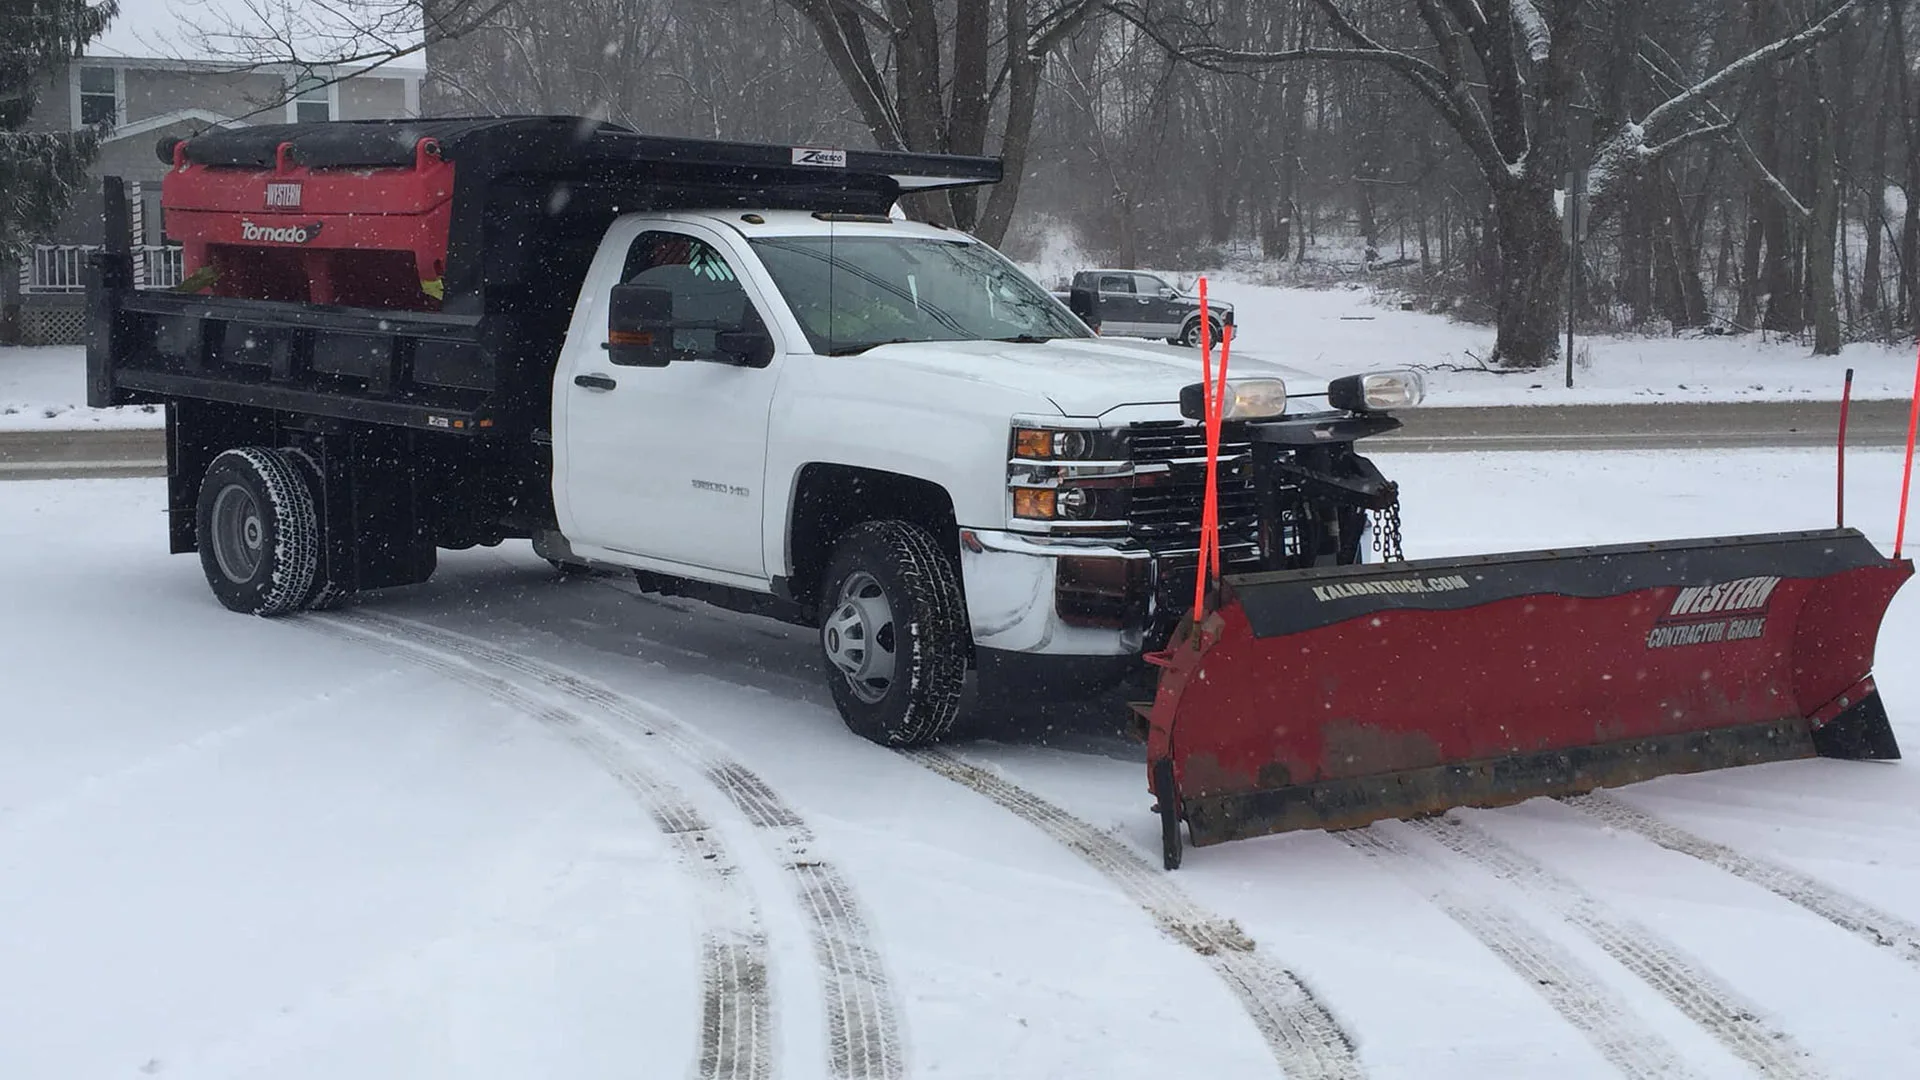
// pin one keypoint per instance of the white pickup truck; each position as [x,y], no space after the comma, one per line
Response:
[760,388]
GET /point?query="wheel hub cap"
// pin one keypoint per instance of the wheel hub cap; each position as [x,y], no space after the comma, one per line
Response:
[239,534]
[860,639]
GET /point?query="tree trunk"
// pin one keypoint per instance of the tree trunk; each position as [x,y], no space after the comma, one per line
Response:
[1681,299]
[1779,282]
[1532,268]
[1826,212]
[1426,251]
[969,107]
[1023,94]
[1759,201]
[1910,231]
[1876,191]
[1637,254]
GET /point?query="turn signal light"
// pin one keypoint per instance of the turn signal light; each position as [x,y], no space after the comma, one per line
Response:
[1033,503]
[1032,443]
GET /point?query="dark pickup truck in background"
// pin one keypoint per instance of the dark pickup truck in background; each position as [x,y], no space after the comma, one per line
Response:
[1130,303]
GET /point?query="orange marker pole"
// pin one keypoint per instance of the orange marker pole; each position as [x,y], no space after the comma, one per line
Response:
[1906,480]
[1206,418]
[1213,455]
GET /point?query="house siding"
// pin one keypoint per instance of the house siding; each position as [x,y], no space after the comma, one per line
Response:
[153,93]
[371,98]
[54,109]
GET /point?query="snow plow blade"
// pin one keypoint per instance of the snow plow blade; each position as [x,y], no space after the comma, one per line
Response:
[1330,698]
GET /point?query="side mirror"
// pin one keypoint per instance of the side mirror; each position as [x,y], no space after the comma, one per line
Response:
[640,326]
[748,348]
[1167,292]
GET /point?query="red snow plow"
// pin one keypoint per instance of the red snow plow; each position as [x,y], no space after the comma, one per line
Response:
[1335,697]
[1332,697]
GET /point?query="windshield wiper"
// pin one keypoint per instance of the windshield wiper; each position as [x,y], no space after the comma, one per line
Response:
[850,350]
[1025,339]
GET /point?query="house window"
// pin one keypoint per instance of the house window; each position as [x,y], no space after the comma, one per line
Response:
[312,101]
[99,96]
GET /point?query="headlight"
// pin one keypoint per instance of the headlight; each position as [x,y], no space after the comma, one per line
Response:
[1247,399]
[1255,399]
[1377,391]
[1062,476]
[1050,444]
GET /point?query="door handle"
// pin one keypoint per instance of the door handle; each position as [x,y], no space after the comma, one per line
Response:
[1146,299]
[594,382]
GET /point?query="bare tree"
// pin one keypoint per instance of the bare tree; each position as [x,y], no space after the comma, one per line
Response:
[1505,82]
[922,110]
[343,37]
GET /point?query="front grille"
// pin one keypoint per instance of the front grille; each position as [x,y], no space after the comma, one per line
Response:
[1166,506]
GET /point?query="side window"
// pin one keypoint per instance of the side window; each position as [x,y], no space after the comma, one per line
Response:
[1116,283]
[1148,285]
[99,96]
[708,298]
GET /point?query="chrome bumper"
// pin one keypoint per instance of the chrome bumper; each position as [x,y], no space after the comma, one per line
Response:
[1064,597]
[1028,594]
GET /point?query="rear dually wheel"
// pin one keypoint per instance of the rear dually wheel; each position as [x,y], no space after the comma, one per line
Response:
[259,536]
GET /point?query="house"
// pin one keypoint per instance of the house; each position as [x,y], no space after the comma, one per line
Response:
[145,99]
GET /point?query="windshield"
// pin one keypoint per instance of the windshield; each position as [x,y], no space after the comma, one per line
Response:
[852,293]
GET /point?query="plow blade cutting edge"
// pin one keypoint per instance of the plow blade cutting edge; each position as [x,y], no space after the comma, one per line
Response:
[1331,698]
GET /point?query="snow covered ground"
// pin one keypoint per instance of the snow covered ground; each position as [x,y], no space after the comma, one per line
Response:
[45,389]
[504,825]
[1340,331]
[1327,332]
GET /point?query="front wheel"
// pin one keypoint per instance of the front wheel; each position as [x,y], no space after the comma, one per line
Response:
[893,633]
[1190,334]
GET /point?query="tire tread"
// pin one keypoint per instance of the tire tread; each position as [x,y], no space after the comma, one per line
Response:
[939,663]
[295,556]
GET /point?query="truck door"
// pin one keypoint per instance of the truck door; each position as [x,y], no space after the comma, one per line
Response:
[1160,313]
[669,463]
[1119,305]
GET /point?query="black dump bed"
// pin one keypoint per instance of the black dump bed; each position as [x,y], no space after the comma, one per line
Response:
[532,197]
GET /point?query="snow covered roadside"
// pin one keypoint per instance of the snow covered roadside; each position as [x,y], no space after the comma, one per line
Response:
[45,389]
[235,847]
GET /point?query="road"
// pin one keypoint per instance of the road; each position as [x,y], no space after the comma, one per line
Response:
[105,453]
[96,454]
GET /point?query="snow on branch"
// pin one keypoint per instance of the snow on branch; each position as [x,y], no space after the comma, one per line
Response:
[1627,151]
[1774,184]
[1533,28]
[1834,21]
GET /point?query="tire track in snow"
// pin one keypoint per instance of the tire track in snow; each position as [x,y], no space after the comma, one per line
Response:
[1306,1040]
[1718,1009]
[1580,996]
[863,1031]
[736,1008]
[1857,917]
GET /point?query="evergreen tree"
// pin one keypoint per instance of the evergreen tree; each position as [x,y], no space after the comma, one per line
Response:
[40,171]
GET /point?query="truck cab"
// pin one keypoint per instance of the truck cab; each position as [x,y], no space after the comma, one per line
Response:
[728,370]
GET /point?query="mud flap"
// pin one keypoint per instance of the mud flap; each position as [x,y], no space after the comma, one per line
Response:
[1334,697]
